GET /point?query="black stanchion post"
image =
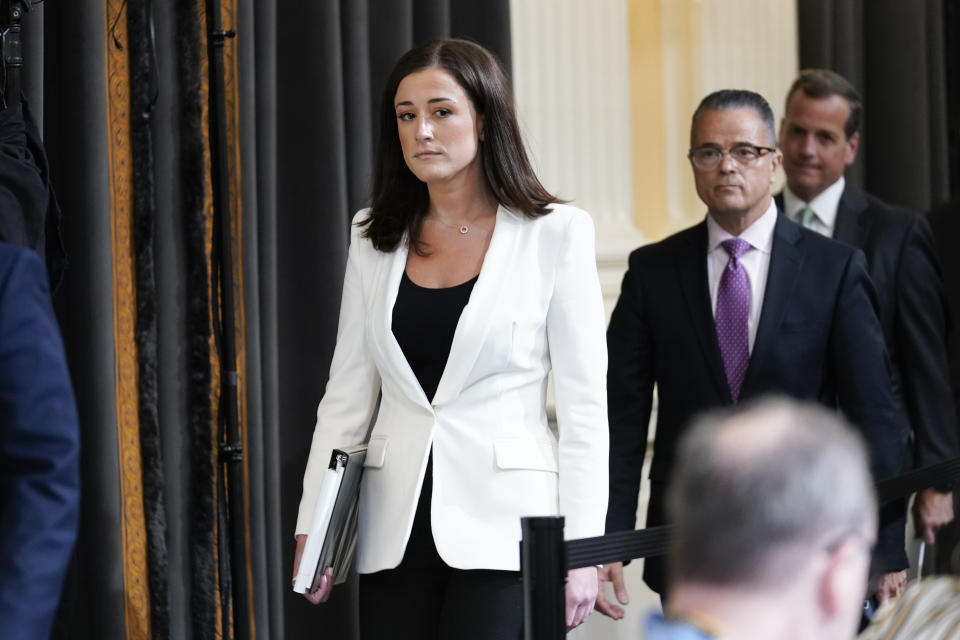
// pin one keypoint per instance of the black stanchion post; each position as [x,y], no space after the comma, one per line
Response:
[12,12]
[543,563]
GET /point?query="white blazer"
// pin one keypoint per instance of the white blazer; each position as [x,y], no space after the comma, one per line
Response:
[535,307]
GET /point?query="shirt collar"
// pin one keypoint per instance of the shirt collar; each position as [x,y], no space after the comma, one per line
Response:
[759,234]
[824,205]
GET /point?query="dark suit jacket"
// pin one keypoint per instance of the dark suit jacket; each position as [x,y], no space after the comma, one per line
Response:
[39,450]
[818,339]
[945,224]
[905,272]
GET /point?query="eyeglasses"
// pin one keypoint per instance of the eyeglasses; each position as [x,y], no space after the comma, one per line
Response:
[709,158]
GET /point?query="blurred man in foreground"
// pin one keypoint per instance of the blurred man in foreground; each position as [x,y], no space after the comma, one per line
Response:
[775,515]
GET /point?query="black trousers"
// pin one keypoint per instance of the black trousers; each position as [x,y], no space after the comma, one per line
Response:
[424,599]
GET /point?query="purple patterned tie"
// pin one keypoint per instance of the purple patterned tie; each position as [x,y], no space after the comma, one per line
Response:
[733,308]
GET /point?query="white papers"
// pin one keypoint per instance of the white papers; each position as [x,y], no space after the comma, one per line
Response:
[923,548]
[329,487]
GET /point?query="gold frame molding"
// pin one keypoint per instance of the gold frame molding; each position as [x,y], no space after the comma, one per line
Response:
[133,535]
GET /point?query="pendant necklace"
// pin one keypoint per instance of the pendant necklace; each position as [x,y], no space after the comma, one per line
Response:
[464,228]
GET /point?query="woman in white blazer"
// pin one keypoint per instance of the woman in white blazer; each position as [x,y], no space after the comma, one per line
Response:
[467,283]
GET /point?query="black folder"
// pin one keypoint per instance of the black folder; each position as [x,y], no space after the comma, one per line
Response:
[341,540]
[340,536]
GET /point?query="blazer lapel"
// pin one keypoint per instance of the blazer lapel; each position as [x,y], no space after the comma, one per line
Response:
[693,282]
[851,226]
[404,374]
[786,260]
[474,323]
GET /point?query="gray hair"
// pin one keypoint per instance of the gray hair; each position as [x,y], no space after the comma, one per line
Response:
[756,490]
[729,99]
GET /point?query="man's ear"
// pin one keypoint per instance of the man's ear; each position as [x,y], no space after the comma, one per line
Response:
[776,159]
[853,142]
[844,573]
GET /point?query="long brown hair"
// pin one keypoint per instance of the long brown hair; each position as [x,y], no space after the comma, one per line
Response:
[399,200]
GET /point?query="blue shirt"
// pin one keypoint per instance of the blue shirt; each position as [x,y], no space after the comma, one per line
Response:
[657,628]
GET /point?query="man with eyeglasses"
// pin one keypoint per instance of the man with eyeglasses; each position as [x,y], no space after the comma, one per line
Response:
[819,136]
[743,304]
[794,567]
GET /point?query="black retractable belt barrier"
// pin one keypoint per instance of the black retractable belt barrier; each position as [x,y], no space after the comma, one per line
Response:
[946,472]
[545,558]
[617,547]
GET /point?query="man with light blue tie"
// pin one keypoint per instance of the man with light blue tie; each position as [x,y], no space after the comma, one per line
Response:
[819,137]
[39,451]
[744,304]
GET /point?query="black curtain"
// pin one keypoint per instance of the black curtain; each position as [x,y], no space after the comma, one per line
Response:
[66,78]
[309,78]
[894,53]
[951,28]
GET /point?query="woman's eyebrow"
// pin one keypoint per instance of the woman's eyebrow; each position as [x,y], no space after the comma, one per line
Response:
[408,103]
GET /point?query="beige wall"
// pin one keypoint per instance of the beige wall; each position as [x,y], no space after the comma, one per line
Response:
[704,45]
[605,90]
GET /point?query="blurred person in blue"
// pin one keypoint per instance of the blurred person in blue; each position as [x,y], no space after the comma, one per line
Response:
[39,451]
[774,515]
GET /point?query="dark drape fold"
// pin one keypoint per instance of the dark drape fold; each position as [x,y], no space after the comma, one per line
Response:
[201,510]
[259,109]
[142,95]
[73,95]
[257,131]
[312,218]
[893,52]
[951,48]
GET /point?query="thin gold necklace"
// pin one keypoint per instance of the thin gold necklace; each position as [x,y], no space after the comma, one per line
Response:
[463,228]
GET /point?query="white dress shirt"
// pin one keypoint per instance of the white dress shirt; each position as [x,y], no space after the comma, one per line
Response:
[756,262]
[824,207]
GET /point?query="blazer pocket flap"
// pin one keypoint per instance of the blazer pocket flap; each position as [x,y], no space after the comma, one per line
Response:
[376,452]
[526,453]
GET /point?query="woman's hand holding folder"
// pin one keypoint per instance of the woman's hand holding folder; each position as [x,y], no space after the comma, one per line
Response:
[324,586]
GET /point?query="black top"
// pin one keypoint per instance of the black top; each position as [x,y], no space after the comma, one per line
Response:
[424,321]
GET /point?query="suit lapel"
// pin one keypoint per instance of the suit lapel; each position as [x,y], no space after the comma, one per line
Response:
[786,261]
[693,282]
[851,226]
[474,323]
